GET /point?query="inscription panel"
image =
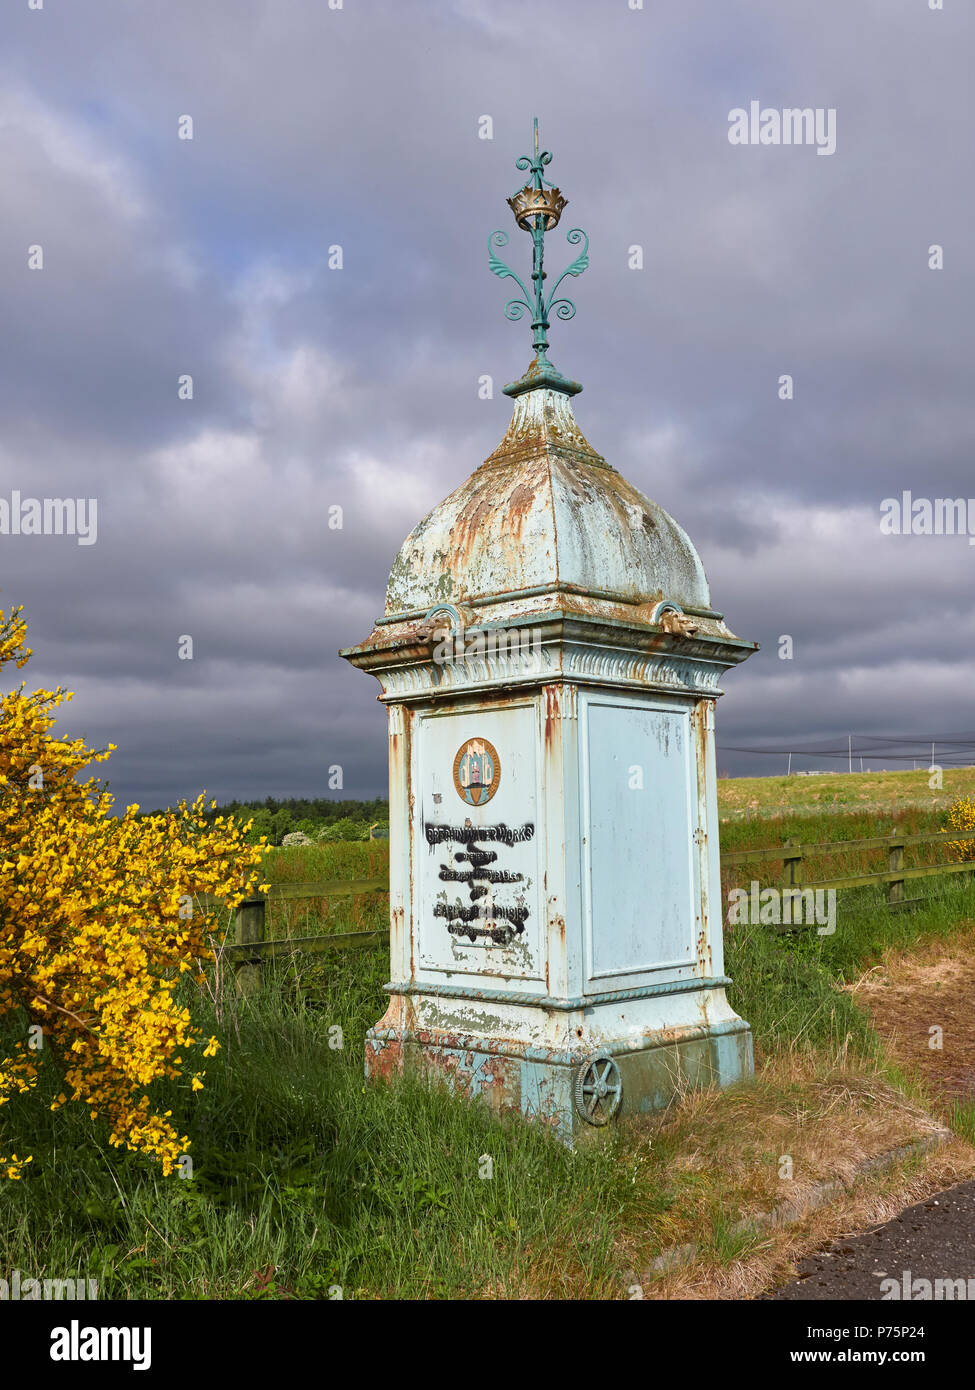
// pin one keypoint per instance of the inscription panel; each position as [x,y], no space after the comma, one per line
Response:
[477,906]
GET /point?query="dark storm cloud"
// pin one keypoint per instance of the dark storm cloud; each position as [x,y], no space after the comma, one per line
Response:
[316,387]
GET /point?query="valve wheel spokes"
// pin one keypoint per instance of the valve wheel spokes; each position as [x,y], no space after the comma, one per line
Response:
[599,1090]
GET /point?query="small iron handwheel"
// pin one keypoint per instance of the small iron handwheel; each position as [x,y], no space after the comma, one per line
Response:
[599,1090]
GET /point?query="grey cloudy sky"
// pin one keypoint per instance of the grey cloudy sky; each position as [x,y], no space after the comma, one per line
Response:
[358,387]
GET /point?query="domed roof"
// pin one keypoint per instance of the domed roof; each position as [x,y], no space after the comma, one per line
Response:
[546,514]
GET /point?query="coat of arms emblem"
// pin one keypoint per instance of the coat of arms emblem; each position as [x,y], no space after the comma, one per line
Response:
[477,771]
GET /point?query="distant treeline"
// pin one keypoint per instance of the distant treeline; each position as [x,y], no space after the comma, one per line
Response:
[320,818]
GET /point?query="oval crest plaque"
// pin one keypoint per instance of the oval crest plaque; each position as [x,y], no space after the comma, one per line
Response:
[477,771]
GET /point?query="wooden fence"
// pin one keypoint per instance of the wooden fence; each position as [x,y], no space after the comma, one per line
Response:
[794,856]
[251,949]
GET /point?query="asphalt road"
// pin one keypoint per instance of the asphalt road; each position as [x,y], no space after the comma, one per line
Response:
[933,1240]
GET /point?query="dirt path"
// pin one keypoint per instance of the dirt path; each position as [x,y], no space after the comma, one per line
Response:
[923,1005]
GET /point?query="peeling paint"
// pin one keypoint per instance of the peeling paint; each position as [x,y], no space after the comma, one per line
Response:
[608,948]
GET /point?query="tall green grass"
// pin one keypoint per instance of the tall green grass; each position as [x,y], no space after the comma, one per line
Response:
[785,982]
[306,1181]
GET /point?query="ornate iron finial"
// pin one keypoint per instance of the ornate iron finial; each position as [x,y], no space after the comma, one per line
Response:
[537,208]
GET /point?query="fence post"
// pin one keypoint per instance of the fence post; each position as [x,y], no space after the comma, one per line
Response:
[895,861]
[250,930]
[792,867]
[792,864]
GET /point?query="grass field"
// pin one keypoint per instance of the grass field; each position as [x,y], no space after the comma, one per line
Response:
[756,798]
[306,1180]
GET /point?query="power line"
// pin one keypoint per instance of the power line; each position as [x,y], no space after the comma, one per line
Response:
[956,753]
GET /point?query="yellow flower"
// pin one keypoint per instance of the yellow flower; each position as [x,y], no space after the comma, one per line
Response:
[98,940]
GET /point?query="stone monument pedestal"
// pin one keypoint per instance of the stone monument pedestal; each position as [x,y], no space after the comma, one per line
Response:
[550,660]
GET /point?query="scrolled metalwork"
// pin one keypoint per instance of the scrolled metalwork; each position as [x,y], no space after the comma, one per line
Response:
[504,272]
[580,264]
[537,208]
[540,160]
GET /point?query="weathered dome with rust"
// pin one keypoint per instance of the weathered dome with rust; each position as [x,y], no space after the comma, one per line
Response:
[545,518]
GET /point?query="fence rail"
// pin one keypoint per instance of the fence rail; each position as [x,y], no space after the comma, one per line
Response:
[331,888]
[794,856]
[251,950]
[750,856]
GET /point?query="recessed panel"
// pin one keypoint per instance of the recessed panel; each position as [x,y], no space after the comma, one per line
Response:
[641,882]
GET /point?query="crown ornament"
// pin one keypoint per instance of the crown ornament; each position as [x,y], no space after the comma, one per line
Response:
[529,203]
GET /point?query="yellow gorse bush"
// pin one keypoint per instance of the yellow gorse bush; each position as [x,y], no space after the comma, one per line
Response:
[99,918]
[961,816]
